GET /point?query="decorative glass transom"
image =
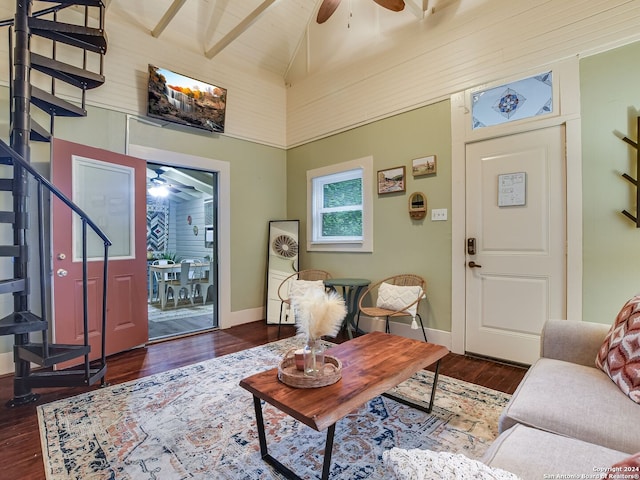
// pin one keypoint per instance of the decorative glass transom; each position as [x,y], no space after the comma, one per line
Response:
[529,97]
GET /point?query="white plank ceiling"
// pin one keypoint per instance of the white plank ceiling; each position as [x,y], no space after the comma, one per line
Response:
[291,80]
[266,33]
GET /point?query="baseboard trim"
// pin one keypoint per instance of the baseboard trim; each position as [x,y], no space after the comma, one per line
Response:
[243,316]
[370,324]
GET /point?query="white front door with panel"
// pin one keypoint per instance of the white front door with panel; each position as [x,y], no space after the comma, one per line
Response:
[516,242]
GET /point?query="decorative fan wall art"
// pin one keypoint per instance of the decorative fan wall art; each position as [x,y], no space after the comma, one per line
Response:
[285,246]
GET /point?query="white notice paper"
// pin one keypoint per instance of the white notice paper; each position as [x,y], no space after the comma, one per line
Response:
[512,188]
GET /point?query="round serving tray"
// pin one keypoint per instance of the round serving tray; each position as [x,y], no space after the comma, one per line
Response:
[290,375]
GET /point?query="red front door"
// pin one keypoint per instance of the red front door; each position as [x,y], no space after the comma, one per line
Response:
[111,188]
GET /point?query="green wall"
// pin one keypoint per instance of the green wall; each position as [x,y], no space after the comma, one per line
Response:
[268,183]
[401,245]
[258,194]
[258,183]
[610,103]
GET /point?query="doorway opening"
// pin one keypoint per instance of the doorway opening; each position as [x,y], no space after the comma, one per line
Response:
[182,226]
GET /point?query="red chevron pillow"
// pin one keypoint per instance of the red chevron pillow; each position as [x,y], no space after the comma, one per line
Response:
[627,468]
[619,355]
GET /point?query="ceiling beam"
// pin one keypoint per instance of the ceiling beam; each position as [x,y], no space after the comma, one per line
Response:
[167,17]
[417,7]
[238,29]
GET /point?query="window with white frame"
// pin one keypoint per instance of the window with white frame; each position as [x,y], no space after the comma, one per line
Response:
[340,207]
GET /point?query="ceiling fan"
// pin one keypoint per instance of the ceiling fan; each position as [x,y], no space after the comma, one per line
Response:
[159,184]
[329,6]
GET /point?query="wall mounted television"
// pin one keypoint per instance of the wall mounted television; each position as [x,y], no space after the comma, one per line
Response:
[184,100]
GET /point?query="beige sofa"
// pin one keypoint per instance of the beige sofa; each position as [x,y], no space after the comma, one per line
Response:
[567,417]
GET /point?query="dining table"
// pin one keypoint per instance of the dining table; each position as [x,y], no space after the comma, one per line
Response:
[167,273]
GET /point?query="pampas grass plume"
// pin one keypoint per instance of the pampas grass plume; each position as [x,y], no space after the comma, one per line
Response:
[319,313]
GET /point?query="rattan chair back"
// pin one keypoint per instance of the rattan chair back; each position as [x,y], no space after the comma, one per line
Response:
[405,280]
[309,275]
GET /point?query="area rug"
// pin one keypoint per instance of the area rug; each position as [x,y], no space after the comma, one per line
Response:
[196,422]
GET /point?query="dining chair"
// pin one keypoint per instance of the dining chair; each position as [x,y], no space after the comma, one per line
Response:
[297,284]
[180,288]
[196,274]
[206,283]
[396,296]
[162,278]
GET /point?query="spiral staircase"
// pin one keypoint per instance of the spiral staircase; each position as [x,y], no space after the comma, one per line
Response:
[87,38]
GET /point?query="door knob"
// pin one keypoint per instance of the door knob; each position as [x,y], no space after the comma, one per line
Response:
[473,264]
[61,272]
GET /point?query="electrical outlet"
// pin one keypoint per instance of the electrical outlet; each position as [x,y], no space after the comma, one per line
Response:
[438,214]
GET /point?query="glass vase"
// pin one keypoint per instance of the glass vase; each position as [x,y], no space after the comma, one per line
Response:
[313,353]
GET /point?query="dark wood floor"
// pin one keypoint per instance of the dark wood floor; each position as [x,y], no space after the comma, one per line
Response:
[20,451]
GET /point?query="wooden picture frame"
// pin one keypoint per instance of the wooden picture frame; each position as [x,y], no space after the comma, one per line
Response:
[392,180]
[424,166]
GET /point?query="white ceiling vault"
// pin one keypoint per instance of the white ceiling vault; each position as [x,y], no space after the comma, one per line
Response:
[279,36]
[292,81]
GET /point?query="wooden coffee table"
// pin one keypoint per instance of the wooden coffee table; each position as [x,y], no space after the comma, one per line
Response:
[371,365]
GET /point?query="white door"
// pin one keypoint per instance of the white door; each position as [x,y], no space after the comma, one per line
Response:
[516,242]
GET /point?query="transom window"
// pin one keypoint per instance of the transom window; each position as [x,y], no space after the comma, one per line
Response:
[529,97]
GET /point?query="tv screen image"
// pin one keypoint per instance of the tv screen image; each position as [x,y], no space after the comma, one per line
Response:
[180,99]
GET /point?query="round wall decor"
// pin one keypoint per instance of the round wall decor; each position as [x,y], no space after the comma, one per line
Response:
[285,246]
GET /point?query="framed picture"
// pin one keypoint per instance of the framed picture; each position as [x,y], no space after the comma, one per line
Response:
[424,166]
[391,180]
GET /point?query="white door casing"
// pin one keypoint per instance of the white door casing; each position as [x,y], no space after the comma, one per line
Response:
[520,281]
[566,112]
[225,317]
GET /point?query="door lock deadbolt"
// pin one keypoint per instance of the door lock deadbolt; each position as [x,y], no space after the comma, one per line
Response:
[471,246]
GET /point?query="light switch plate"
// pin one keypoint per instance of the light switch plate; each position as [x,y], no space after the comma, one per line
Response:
[438,214]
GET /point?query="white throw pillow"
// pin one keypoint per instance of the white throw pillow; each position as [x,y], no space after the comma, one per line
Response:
[396,297]
[297,288]
[417,464]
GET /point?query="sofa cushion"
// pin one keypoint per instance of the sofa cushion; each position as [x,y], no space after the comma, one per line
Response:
[534,454]
[397,297]
[619,355]
[575,401]
[418,464]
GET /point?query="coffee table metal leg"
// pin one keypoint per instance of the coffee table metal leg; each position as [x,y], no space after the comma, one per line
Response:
[328,448]
[418,406]
[279,467]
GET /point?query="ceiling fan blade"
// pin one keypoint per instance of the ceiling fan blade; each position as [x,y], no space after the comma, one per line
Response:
[393,5]
[326,10]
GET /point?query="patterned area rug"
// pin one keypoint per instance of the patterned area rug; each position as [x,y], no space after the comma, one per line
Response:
[196,422]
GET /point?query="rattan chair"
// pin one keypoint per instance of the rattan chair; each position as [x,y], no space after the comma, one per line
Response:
[404,302]
[283,293]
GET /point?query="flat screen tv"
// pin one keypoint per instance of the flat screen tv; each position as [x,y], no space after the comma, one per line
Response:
[180,99]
